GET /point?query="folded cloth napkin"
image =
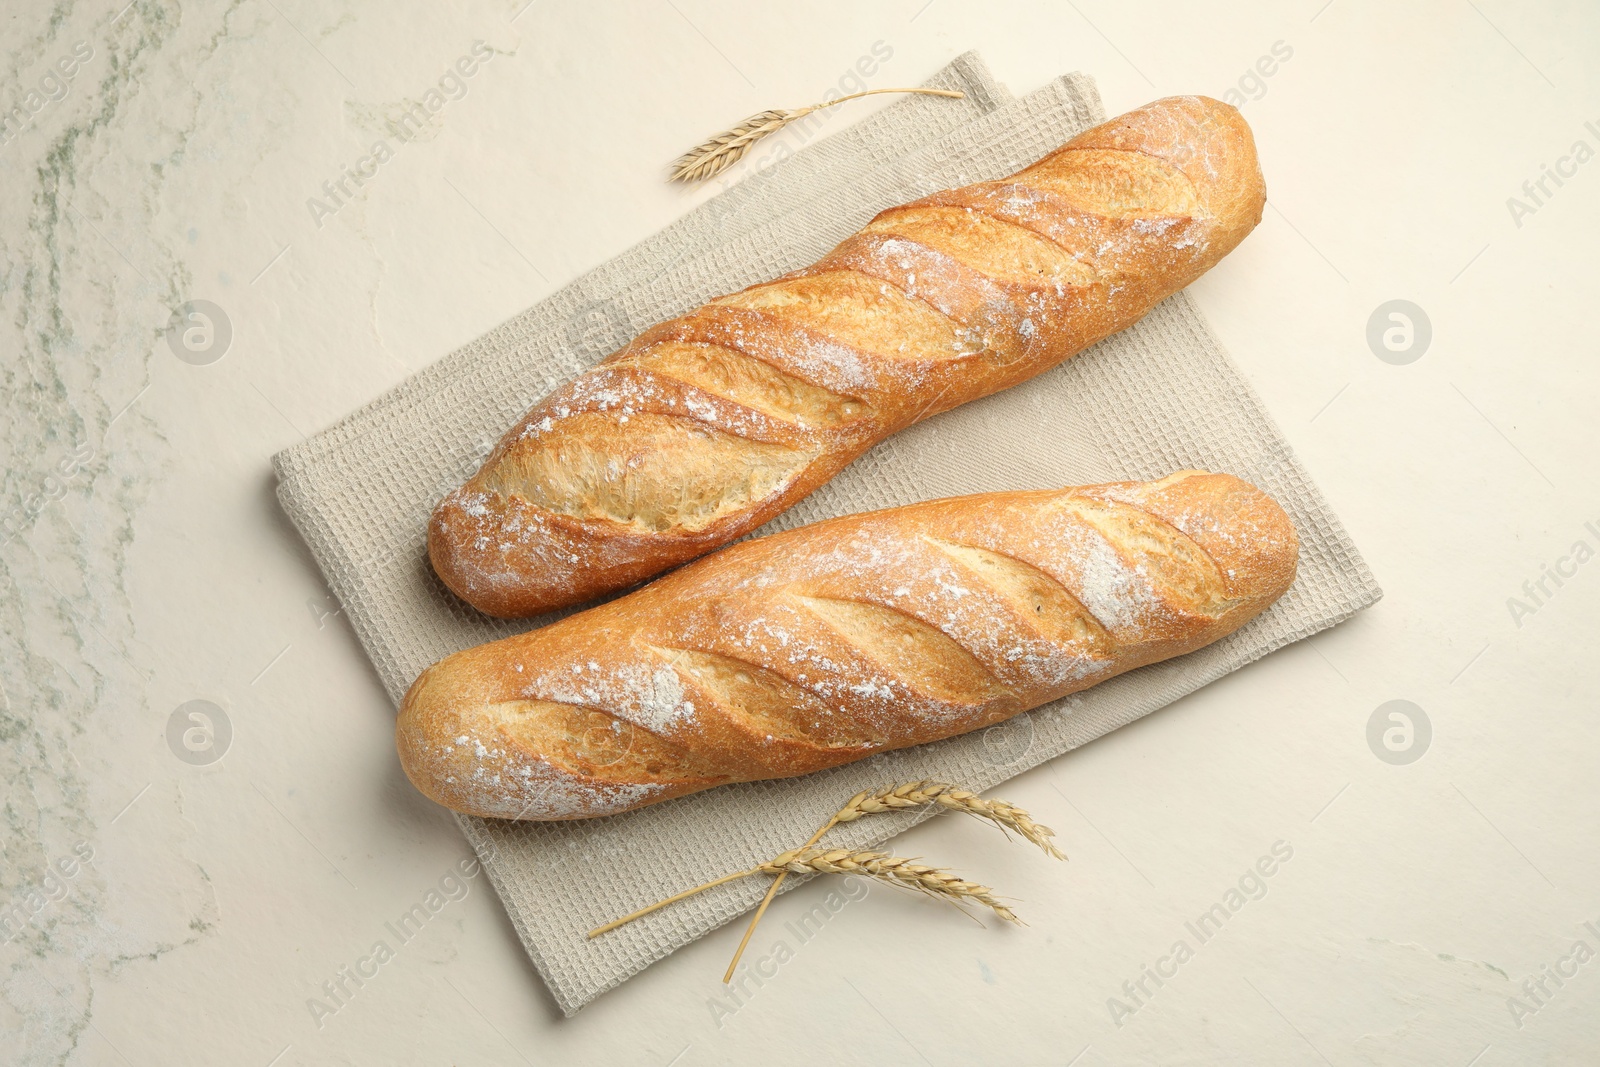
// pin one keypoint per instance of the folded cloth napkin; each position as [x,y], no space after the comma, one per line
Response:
[1158,397]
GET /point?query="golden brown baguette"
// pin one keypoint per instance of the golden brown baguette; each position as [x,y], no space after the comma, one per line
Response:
[705,427]
[825,644]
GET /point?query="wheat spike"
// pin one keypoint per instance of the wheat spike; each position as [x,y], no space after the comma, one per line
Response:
[1005,815]
[895,870]
[716,154]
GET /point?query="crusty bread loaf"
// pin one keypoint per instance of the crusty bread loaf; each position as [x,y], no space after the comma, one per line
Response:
[705,427]
[819,646]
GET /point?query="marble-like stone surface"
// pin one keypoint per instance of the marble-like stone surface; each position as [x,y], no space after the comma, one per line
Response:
[182,889]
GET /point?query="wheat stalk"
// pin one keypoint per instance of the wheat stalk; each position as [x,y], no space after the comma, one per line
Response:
[898,798]
[716,154]
[658,905]
[895,870]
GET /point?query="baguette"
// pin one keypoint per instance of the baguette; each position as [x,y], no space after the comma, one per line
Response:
[704,427]
[822,645]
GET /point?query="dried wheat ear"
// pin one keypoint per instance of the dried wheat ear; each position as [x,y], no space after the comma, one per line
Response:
[903,797]
[897,871]
[716,154]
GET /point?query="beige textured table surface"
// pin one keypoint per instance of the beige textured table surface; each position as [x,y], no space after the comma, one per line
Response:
[201,905]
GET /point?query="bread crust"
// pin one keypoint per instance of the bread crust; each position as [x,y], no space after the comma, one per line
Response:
[822,645]
[706,426]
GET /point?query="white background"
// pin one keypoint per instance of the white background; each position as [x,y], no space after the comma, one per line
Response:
[178,166]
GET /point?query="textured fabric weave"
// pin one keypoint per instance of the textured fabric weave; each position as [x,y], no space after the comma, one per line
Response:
[1159,397]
